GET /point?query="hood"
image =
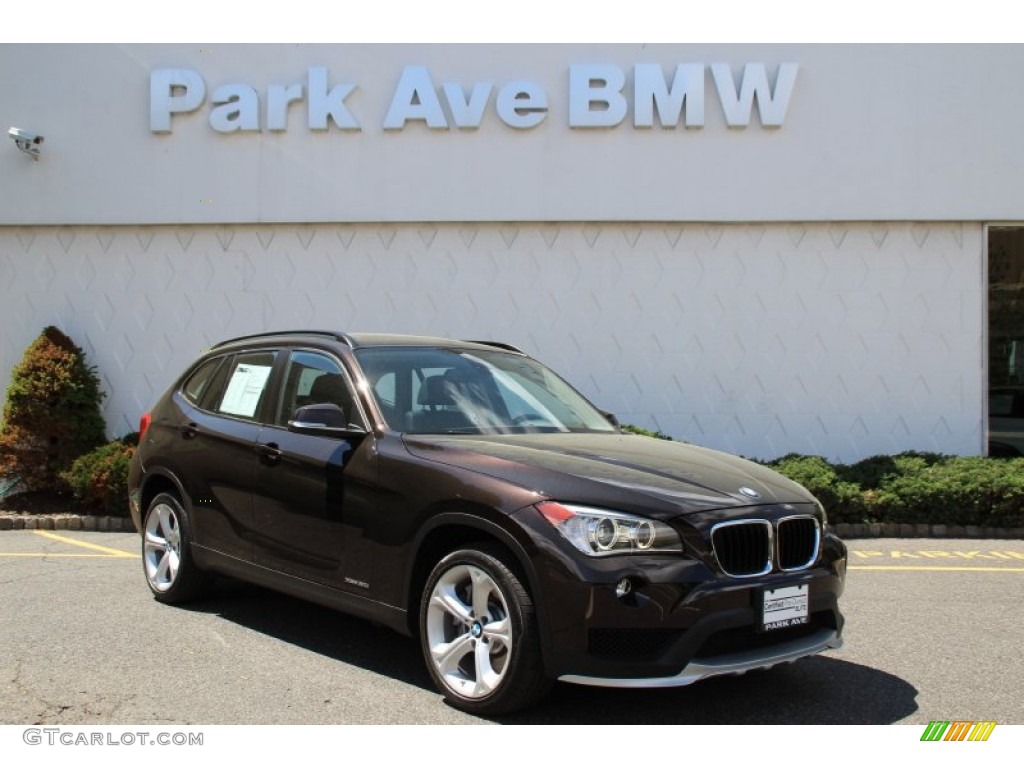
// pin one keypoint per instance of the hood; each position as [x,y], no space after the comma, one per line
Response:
[622,471]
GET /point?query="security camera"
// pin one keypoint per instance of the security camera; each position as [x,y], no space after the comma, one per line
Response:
[19,135]
[26,142]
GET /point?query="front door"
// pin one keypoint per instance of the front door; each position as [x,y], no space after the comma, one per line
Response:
[310,497]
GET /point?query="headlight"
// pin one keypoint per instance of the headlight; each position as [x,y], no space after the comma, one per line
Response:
[599,532]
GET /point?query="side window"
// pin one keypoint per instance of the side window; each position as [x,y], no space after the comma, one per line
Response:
[314,379]
[212,392]
[247,383]
[199,381]
[384,388]
[389,379]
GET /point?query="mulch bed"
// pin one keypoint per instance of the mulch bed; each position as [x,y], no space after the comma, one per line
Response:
[48,510]
[44,503]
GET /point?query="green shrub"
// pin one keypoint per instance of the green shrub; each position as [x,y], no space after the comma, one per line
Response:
[841,499]
[52,412]
[874,470]
[909,487]
[914,487]
[99,479]
[960,491]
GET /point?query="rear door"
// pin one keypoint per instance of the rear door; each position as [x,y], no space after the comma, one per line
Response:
[215,450]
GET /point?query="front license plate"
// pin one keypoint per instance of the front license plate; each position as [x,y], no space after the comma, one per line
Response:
[784,607]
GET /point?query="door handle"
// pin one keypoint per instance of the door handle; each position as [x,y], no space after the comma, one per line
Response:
[190,430]
[270,453]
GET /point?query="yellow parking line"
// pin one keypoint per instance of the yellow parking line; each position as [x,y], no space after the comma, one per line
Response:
[63,554]
[106,550]
[932,568]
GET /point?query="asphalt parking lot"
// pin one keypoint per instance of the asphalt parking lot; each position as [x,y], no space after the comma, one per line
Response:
[933,633]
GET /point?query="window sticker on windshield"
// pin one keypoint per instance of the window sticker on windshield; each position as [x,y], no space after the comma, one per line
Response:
[244,390]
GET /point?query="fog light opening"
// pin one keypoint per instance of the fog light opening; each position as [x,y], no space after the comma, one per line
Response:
[624,588]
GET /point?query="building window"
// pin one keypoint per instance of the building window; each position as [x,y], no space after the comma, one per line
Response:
[1006,341]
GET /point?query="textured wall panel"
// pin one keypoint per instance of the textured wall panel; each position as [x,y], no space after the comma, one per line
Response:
[839,339]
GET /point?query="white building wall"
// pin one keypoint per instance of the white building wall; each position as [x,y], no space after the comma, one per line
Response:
[842,339]
[871,132]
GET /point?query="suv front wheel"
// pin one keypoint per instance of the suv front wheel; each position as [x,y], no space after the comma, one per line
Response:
[479,633]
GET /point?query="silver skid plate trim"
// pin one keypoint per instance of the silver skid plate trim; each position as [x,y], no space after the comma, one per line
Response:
[732,664]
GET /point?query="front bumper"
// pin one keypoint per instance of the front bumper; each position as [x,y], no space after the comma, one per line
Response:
[683,620]
[732,664]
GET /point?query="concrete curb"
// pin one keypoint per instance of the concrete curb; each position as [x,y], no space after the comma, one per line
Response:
[65,522]
[923,531]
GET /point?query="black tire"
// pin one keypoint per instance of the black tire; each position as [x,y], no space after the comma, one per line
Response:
[510,675]
[167,561]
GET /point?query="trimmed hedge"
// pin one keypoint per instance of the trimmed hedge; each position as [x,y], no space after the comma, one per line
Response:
[914,487]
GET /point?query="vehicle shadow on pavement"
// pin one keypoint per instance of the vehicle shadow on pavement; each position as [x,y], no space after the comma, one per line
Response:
[321,630]
[819,690]
[815,691]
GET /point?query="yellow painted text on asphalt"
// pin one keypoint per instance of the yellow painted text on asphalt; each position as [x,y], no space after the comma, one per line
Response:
[1002,560]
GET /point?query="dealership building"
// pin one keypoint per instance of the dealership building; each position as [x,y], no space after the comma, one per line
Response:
[757,248]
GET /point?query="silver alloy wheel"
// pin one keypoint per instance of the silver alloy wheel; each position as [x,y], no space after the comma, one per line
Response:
[162,547]
[469,632]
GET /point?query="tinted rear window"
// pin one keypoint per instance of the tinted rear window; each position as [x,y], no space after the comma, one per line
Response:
[198,382]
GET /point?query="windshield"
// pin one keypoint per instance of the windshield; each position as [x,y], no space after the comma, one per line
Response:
[429,390]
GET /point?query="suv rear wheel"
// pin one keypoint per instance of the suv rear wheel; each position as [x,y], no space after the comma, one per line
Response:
[479,633]
[171,572]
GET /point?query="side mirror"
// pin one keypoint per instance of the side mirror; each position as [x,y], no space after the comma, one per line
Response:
[611,418]
[324,420]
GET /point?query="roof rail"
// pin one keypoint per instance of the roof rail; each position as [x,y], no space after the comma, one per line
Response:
[498,344]
[330,334]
